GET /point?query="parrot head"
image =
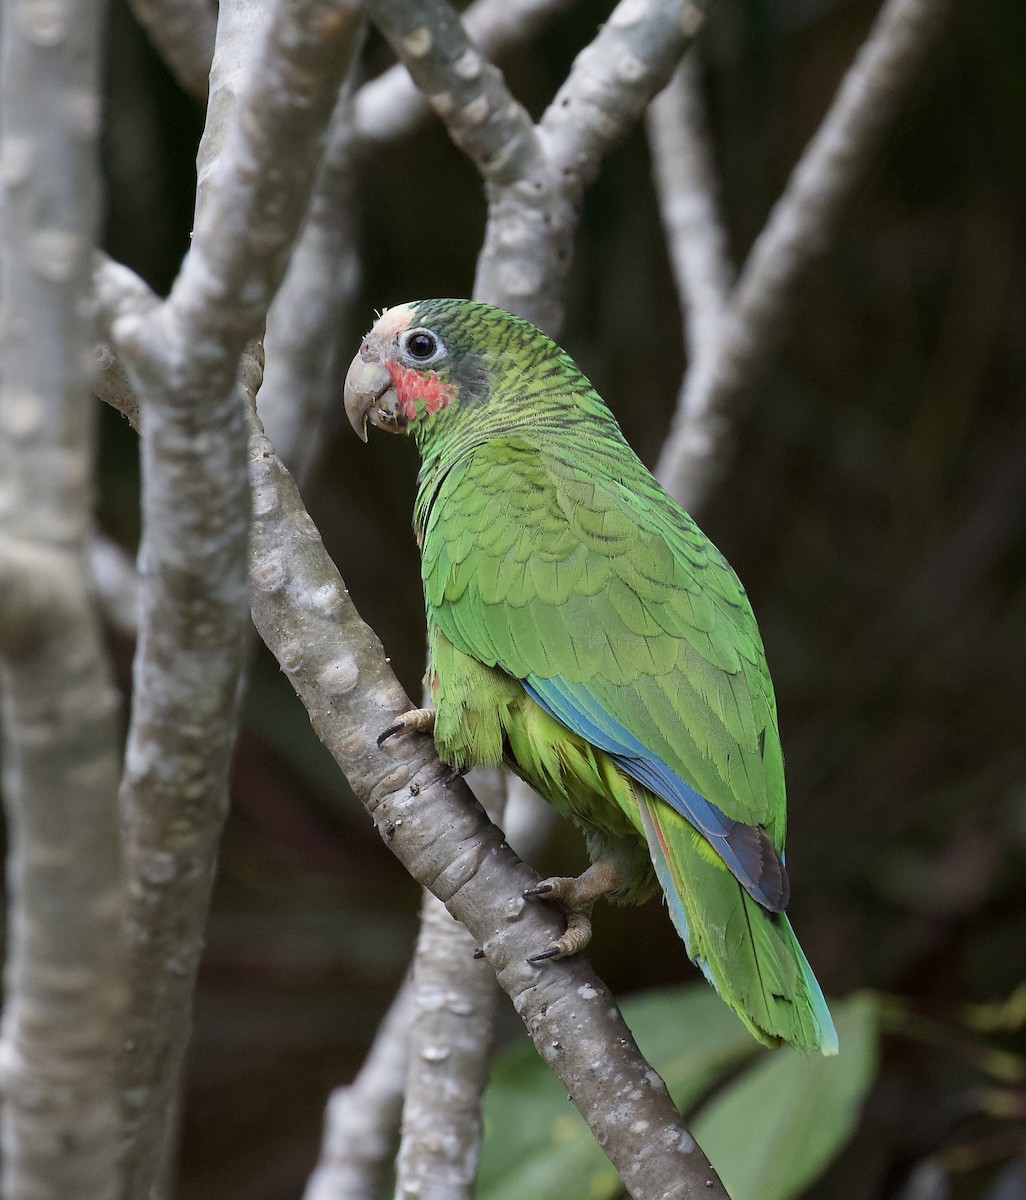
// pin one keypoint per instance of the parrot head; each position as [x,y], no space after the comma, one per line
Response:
[401,372]
[433,356]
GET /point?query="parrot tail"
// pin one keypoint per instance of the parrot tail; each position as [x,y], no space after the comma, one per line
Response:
[750,956]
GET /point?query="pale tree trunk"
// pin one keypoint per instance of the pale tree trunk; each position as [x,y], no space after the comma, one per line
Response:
[63,979]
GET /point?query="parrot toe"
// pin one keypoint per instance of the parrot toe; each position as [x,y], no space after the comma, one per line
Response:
[574,895]
[417,720]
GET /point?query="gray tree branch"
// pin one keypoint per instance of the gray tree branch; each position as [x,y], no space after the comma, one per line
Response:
[182,357]
[116,582]
[687,190]
[451,1035]
[362,1118]
[392,105]
[309,312]
[431,822]
[801,225]
[182,31]
[64,979]
[451,1029]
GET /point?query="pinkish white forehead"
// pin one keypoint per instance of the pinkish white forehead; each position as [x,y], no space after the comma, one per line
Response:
[393,321]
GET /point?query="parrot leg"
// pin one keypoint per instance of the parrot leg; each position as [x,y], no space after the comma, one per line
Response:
[417,720]
[575,896]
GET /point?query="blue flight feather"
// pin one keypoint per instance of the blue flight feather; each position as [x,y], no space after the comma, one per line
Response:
[572,705]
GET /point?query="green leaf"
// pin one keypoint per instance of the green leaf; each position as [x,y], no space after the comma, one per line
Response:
[775,1130]
[537,1145]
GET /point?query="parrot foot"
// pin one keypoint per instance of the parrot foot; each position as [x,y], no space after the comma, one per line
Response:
[575,896]
[417,720]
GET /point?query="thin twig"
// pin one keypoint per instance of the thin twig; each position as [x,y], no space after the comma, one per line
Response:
[687,190]
[309,312]
[64,977]
[802,224]
[116,582]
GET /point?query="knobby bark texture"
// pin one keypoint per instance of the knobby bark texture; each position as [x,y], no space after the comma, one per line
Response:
[259,154]
[451,1028]
[801,226]
[64,980]
[535,175]
[427,816]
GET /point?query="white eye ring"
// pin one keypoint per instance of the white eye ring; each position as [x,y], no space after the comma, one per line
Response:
[421,346]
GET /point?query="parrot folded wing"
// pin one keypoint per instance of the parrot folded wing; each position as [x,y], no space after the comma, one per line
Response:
[624,623]
[745,849]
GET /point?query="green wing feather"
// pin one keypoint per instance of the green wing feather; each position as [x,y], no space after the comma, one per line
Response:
[588,572]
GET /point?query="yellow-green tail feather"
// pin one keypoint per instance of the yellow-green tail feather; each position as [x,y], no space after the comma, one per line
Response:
[750,956]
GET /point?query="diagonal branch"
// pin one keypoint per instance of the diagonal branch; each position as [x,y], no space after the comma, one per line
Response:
[182,31]
[465,90]
[800,227]
[443,838]
[392,105]
[613,79]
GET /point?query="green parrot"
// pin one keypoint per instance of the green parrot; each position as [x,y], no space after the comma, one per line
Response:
[584,632]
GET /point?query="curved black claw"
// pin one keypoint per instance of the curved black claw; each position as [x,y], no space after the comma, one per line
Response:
[417,720]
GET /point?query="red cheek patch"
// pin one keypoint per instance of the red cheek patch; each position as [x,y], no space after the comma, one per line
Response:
[412,385]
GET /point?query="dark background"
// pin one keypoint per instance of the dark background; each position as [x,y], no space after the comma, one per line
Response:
[875,507]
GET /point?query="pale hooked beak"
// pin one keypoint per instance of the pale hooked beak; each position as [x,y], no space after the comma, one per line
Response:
[370,396]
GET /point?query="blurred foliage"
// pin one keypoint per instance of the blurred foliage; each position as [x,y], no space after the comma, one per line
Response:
[769,1128]
[875,506]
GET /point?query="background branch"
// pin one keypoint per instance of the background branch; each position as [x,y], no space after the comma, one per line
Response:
[183,33]
[391,105]
[688,204]
[362,1118]
[451,1030]
[309,312]
[800,227]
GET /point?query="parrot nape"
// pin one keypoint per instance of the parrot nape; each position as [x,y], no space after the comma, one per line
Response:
[583,631]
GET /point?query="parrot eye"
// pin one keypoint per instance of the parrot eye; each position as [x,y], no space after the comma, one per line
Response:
[422,345]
